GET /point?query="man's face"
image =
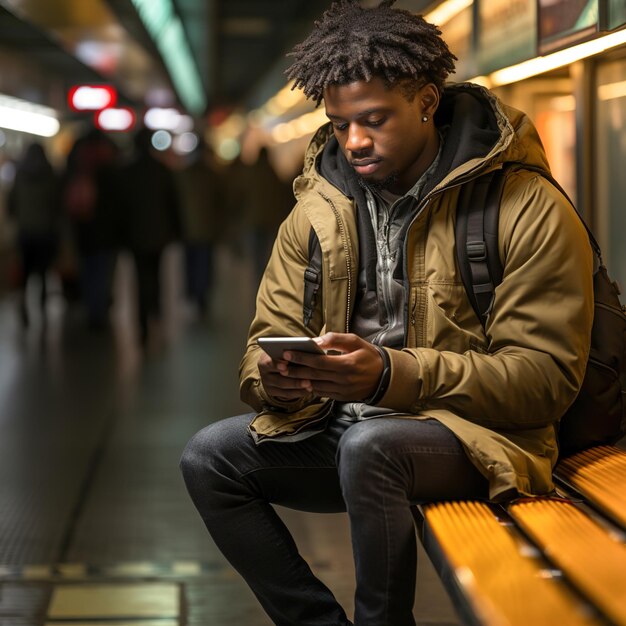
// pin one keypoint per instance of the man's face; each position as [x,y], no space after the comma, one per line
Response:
[381,133]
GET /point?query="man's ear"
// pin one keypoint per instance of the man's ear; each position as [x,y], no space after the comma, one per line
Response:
[429,99]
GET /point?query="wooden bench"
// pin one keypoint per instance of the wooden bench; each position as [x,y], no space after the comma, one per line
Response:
[554,560]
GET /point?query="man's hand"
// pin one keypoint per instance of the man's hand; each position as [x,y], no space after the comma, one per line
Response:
[350,376]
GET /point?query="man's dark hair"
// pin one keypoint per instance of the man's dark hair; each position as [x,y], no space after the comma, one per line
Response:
[351,43]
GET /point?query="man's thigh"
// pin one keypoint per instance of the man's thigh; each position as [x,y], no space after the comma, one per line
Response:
[300,475]
[424,455]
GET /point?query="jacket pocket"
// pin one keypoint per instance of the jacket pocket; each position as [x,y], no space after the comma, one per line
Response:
[452,325]
[271,425]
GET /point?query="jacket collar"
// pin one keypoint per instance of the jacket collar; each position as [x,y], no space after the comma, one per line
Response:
[481,133]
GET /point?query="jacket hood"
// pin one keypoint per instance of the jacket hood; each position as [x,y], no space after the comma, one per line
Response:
[481,133]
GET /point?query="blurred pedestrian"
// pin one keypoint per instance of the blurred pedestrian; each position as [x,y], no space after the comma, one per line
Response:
[202,221]
[33,203]
[149,205]
[89,204]
[266,204]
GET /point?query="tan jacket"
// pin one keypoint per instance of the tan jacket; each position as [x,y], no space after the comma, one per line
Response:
[502,390]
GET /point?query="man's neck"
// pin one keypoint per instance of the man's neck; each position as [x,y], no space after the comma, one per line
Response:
[420,167]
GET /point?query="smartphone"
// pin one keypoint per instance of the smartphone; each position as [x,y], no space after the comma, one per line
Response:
[275,346]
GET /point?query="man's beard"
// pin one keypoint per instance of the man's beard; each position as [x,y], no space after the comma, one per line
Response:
[379,185]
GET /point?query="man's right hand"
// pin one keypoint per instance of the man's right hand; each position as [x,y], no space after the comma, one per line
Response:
[350,372]
[279,386]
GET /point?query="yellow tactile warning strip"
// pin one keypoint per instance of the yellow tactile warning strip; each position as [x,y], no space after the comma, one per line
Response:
[504,585]
[591,558]
[140,622]
[127,570]
[599,474]
[115,601]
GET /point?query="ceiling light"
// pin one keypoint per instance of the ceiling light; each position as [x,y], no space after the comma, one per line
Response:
[168,34]
[446,11]
[26,117]
[540,65]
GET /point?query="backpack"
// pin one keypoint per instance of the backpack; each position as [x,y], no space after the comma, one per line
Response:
[598,414]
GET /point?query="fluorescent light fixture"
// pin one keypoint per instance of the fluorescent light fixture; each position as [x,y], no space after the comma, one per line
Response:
[166,30]
[446,11]
[540,65]
[26,117]
[611,91]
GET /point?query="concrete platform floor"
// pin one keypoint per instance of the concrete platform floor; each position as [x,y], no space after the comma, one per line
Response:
[95,524]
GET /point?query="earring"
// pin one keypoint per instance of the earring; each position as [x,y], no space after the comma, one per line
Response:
[424,118]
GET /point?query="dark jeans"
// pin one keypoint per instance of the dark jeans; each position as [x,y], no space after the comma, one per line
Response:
[148,268]
[373,469]
[97,282]
[37,252]
[199,264]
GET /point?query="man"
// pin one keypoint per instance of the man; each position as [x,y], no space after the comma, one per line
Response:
[421,403]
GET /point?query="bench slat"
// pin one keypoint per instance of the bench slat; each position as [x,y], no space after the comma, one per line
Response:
[504,586]
[599,474]
[590,557]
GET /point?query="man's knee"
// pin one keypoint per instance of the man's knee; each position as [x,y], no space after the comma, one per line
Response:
[197,453]
[193,451]
[359,451]
[208,451]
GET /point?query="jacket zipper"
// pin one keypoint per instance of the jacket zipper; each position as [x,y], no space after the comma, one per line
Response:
[385,278]
[346,249]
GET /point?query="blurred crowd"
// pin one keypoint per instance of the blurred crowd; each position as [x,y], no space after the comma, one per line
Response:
[73,224]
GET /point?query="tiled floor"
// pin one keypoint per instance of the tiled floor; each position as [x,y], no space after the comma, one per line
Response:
[95,525]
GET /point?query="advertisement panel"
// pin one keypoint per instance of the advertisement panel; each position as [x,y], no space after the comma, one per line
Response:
[507,33]
[616,10]
[562,23]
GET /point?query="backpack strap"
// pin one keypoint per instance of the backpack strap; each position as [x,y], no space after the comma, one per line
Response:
[476,237]
[312,277]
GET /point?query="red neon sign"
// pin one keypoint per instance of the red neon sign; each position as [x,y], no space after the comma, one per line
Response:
[91,97]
